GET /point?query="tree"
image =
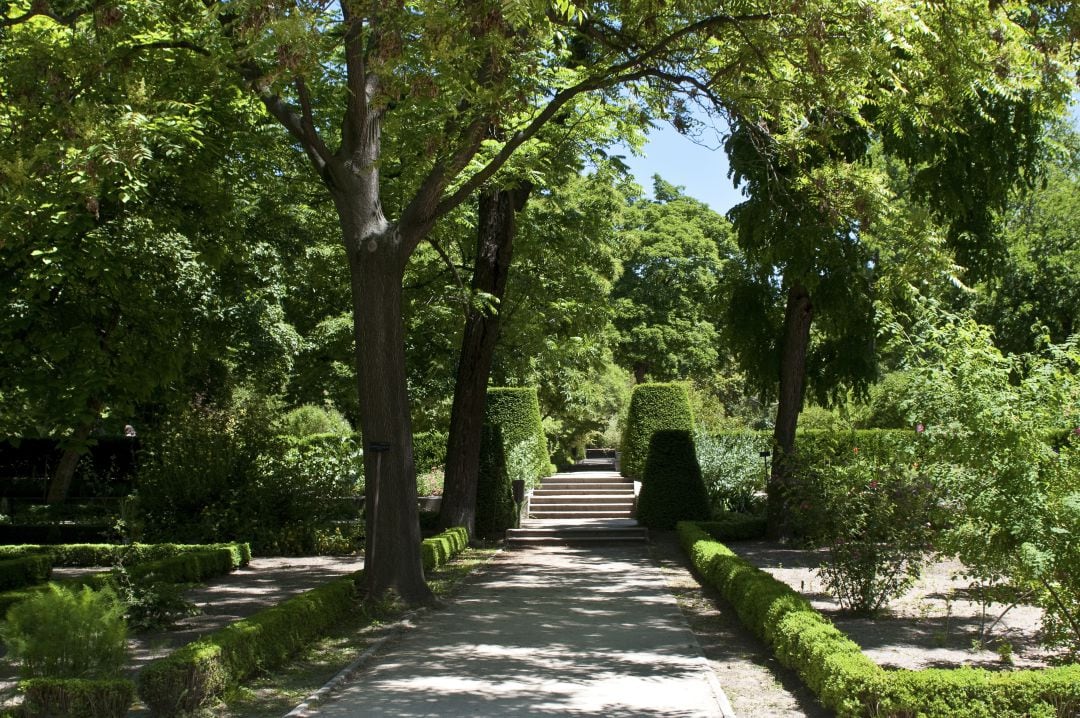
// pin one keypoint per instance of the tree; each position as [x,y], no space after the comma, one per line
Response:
[389,69]
[114,288]
[668,294]
[1035,292]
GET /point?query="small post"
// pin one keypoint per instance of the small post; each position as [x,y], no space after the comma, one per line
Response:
[378,448]
[765,460]
[518,487]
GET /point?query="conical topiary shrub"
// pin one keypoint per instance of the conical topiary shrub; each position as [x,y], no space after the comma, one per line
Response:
[653,407]
[672,489]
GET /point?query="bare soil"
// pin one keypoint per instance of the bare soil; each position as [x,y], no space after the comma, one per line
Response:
[754,681]
[938,623]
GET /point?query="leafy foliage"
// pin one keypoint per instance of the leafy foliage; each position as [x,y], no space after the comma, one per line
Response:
[878,522]
[63,633]
[1014,494]
[732,469]
[216,474]
[310,420]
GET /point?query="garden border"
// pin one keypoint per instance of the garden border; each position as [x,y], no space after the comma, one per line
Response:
[843,677]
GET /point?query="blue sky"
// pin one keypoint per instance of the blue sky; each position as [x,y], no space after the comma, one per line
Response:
[699,166]
[702,167]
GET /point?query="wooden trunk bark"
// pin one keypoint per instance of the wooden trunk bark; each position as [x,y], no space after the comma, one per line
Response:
[60,484]
[494,249]
[392,545]
[797,319]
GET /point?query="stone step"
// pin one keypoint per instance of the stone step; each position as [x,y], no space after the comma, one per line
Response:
[582,513]
[544,499]
[586,485]
[548,507]
[602,490]
[571,534]
[588,476]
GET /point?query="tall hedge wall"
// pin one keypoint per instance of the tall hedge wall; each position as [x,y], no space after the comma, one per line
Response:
[671,488]
[516,411]
[653,408]
[512,446]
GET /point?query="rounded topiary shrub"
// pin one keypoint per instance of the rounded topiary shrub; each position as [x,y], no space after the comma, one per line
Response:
[653,408]
[671,488]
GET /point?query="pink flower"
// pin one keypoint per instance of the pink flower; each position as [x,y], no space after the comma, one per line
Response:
[920,428]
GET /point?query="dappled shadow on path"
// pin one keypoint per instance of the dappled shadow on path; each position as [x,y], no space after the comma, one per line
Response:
[545,632]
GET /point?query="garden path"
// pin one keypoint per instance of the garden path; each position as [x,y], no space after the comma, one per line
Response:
[544,631]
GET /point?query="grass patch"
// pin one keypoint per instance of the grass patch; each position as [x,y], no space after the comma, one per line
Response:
[276,692]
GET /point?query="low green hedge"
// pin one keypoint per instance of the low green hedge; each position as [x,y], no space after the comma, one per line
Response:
[735,527]
[24,571]
[200,672]
[77,697]
[105,554]
[190,567]
[437,550]
[848,682]
[170,563]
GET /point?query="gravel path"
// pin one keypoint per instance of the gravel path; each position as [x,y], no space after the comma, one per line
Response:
[757,685]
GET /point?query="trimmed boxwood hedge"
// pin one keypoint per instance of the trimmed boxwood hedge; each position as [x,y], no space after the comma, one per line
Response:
[199,673]
[848,682]
[512,446]
[494,492]
[105,554]
[653,407]
[77,697]
[24,571]
[177,563]
[671,488]
[516,411]
[439,549]
[190,567]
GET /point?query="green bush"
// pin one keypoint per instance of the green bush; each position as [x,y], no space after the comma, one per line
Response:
[201,672]
[311,420]
[211,474]
[24,571]
[653,407]
[671,489]
[494,492]
[844,679]
[732,469]
[429,451]
[878,524]
[87,555]
[60,633]
[437,550]
[735,527]
[516,411]
[77,697]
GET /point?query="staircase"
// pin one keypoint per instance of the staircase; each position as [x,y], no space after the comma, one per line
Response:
[591,503]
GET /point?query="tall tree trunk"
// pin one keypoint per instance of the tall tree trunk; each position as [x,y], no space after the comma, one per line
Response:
[496,228]
[60,484]
[797,319]
[377,266]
